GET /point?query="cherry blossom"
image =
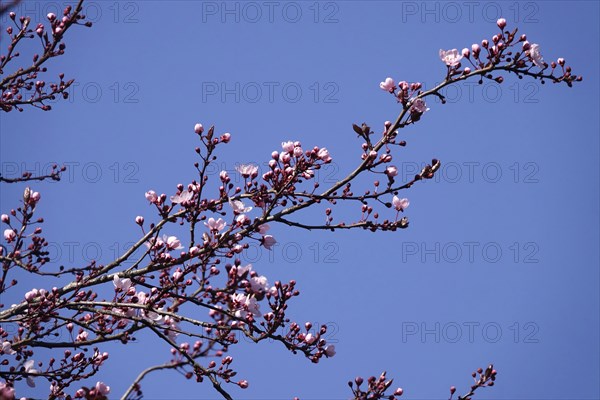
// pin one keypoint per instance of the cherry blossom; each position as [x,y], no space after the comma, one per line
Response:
[121,284]
[248,170]
[9,235]
[268,241]
[323,155]
[215,225]
[450,57]
[172,242]
[151,196]
[182,197]
[102,388]
[400,204]
[330,350]
[535,55]
[388,85]
[239,207]
[7,348]
[28,365]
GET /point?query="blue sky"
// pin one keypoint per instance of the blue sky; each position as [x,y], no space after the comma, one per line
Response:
[500,263]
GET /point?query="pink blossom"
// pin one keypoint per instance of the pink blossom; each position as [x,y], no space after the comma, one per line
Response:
[172,242]
[5,218]
[248,170]
[288,146]
[330,350]
[388,85]
[285,157]
[139,220]
[243,384]
[7,348]
[323,155]
[476,49]
[450,57]
[151,196]
[9,235]
[32,294]
[121,284]
[28,365]
[400,204]
[259,284]
[391,171]
[198,128]
[309,338]
[239,207]
[501,23]
[242,270]
[224,176]
[35,196]
[242,302]
[268,241]
[262,229]
[194,250]
[226,137]
[6,392]
[182,197]
[102,389]
[51,16]
[466,52]
[215,225]
[82,337]
[535,55]
[418,106]
[298,152]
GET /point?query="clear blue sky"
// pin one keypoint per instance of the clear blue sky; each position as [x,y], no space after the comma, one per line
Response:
[500,263]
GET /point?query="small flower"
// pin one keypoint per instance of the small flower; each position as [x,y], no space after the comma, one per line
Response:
[450,57]
[151,196]
[268,241]
[309,338]
[102,389]
[298,152]
[30,370]
[330,350]
[262,229]
[32,294]
[391,171]
[535,55]
[388,85]
[139,220]
[323,155]
[248,170]
[121,284]
[400,204]
[501,23]
[9,235]
[259,284]
[418,106]
[82,337]
[466,52]
[198,128]
[215,225]
[182,197]
[172,242]
[7,348]
[239,207]
[5,218]
[51,16]
[287,146]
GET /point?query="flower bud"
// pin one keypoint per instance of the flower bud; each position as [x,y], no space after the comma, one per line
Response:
[198,128]
[501,23]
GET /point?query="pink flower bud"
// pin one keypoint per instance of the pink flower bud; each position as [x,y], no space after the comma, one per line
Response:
[476,49]
[139,220]
[9,235]
[501,23]
[452,389]
[391,171]
[51,16]
[298,152]
[466,53]
[5,218]
[561,62]
[198,128]
[526,45]
[388,85]
[398,392]
[243,384]
[275,155]
[467,70]
[151,196]
[226,137]
[484,43]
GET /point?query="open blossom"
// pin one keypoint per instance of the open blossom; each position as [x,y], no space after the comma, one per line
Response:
[172,242]
[535,55]
[82,337]
[7,348]
[151,196]
[121,284]
[391,171]
[450,57]
[32,294]
[330,350]
[239,207]
[288,146]
[28,365]
[9,235]
[215,225]
[242,302]
[388,85]
[182,197]
[247,170]
[400,204]
[418,106]
[262,229]
[323,155]
[259,284]
[310,338]
[102,388]
[268,241]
